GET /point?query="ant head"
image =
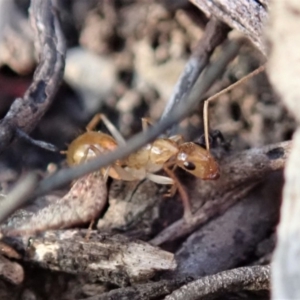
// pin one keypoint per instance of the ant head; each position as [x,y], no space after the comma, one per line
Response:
[197,161]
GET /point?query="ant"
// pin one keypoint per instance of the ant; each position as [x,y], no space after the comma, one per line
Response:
[153,157]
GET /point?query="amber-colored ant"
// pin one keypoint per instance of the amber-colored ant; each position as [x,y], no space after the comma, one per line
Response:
[158,155]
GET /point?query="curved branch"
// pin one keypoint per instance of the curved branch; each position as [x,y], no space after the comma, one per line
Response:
[144,291]
[25,113]
[215,33]
[247,16]
[248,278]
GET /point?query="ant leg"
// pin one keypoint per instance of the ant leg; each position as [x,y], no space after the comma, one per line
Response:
[106,173]
[110,126]
[217,135]
[160,179]
[89,231]
[93,123]
[215,138]
[201,141]
[123,174]
[183,194]
[165,181]
[113,130]
[145,123]
[178,138]
[85,155]
[172,191]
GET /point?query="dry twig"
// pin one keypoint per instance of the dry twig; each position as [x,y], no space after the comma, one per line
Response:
[17,196]
[215,33]
[146,291]
[248,278]
[114,259]
[25,113]
[83,203]
[247,16]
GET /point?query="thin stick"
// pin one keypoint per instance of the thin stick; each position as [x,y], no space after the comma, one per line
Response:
[215,34]
[248,17]
[215,96]
[18,195]
[247,278]
[143,291]
[40,144]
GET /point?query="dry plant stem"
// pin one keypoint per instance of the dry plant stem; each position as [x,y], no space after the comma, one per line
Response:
[247,16]
[181,111]
[17,196]
[41,144]
[215,33]
[25,113]
[248,278]
[215,96]
[239,174]
[146,291]
[114,259]
[284,72]
[83,203]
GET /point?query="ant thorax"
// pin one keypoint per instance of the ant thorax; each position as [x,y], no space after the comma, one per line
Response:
[152,157]
[162,150]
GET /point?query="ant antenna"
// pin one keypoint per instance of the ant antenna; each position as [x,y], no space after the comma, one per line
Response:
[206,102]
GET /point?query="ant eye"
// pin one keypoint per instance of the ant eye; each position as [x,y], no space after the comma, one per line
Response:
[189,166]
